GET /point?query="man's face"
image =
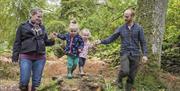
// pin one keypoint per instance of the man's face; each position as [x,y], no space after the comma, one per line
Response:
[37,18]
[128,16]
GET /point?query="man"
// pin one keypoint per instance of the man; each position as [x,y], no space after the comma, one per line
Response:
[29,48]
[132,38]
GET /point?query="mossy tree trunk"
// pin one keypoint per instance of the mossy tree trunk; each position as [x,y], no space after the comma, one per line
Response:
[151,15]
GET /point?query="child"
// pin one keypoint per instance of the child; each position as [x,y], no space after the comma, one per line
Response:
[74,45]
[83,55]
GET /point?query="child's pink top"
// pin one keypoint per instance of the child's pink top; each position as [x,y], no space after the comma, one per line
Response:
[84,52]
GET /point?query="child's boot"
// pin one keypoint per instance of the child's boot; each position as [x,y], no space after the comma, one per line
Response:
[73,68]
[81,71]
[69,75]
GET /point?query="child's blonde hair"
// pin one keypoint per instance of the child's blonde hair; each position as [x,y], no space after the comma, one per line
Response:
[86,30]
[73,25]
[73,21]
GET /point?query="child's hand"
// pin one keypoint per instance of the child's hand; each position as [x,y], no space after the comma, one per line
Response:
[79,50]
[55,34]
[94,47]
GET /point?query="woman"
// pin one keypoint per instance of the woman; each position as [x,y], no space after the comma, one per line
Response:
[29,48]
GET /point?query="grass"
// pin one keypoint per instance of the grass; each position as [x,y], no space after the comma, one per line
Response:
[51,86]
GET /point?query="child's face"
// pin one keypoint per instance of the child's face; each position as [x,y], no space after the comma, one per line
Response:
[85,35]
[73,32]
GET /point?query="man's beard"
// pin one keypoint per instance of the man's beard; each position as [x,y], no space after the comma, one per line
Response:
[128,21]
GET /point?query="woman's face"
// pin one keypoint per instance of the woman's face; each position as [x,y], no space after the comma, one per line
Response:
[37,18]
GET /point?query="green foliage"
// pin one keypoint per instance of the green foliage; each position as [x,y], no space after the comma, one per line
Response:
[77,8]
[148,79]
[3,47]
[103,22]
[170,54]
[171,60]
[101,19]
[14,12]
[52,86]
[172,24]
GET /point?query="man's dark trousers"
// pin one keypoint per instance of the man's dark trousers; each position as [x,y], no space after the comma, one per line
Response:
[128,67]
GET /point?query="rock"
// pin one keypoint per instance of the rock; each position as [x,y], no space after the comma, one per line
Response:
[58,79]
[91,83]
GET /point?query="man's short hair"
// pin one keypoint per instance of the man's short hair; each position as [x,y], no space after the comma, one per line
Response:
[132,11]
[35,11]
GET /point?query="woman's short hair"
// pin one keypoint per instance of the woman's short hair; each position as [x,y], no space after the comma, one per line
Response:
[35,11]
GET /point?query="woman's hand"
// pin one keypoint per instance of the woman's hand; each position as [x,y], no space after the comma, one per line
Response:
[55,34]
[52,36]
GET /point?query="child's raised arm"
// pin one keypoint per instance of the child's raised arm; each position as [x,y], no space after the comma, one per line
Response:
[61,36]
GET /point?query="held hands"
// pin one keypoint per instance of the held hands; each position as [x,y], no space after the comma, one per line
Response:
[79,50]
[53,36]
[144,59]
[97,42]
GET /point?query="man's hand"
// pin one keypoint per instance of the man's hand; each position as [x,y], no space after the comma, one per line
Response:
[97,42]
[144,59]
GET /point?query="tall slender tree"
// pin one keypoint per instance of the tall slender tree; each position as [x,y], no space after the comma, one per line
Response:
[151,15]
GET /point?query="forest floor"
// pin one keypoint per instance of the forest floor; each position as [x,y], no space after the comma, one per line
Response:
[56,68]
[98,77]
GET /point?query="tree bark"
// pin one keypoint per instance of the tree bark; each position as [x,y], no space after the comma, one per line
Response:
[151,15]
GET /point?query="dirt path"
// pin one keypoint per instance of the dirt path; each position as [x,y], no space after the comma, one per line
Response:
[97,73]
[56,67]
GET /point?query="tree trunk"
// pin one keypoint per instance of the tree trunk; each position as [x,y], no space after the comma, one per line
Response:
[151,15]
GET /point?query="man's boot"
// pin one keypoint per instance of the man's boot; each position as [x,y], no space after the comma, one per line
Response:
[118,81]
[119,84]
[128,87]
